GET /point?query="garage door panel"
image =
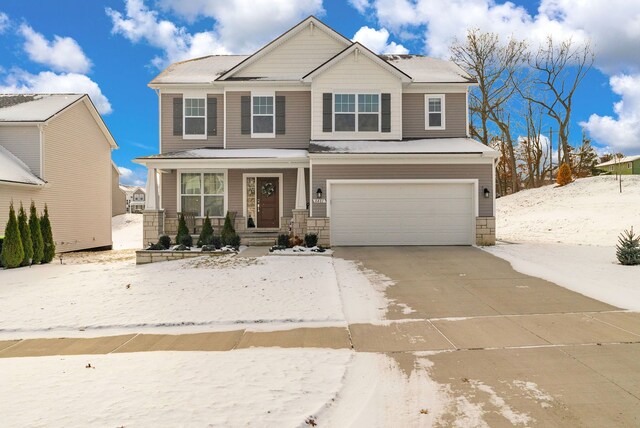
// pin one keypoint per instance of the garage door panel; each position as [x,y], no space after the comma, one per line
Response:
[402,214]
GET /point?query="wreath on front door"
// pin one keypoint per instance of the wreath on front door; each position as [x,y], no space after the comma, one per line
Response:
[268,189]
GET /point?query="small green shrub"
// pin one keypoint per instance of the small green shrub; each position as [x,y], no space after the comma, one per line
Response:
[156,247]
[228,231]
[283,240]
[206,233]
[25,236]
[165,241]
[628,248]
[208,248]
[234,241]
[182,229]
[310,240]
[49,251]
[12,250]
[36,235]
[216,241]
[186,240]
[181,248]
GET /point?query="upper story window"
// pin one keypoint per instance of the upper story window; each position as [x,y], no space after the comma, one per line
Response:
[363,115]
[434,112]
[263,117]
[195,117]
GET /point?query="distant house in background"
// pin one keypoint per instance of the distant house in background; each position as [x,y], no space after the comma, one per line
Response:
[56,149]
[135,198]
[118,196]
[625,166]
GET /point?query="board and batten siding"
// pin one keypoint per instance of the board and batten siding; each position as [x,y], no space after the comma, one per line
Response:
[482,172]
[175,143]
[301,53]
[297,123]
[78,170]
[413,116]
[356,75]
[24,142]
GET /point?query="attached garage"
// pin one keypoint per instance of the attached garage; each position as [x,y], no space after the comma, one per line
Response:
[402,212]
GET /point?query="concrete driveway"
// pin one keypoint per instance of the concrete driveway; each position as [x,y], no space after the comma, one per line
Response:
[522,350]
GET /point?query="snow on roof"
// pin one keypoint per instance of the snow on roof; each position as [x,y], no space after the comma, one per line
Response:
[429,70]
[33,107]
[13,170]
[425,146]
[232,154]
[620,160]
[198,70]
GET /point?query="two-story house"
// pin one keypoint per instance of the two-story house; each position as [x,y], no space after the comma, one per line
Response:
[318,133]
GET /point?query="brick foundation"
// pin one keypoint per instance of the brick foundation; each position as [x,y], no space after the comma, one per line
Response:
[485,231]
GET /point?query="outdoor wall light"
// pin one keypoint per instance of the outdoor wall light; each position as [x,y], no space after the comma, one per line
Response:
[319,193]
[487,193]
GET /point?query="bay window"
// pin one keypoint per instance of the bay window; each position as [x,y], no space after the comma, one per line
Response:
[202,193]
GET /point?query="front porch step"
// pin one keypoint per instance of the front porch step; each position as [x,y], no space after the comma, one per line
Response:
[254,241]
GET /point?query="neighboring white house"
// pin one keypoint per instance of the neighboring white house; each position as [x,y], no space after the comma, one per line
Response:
[56,150]
[135,197]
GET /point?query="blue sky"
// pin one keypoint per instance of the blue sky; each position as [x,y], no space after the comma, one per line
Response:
[112,49]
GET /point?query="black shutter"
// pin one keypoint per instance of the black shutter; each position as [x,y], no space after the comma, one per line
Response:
[386,112]
[245,115]
[327,111]
[212,116]
[280,118]
[177,116]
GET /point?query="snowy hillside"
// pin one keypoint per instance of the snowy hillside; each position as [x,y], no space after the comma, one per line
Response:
[589,211]
[126,231]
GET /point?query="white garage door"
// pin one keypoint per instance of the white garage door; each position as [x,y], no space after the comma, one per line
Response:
[402,213]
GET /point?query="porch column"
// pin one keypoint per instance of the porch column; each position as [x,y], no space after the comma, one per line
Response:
[301,191]
[151,198]
[152,216]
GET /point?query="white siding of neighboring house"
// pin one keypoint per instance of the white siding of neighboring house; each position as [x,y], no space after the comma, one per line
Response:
[78,170]
[300,54]
[24,142]
[351,75]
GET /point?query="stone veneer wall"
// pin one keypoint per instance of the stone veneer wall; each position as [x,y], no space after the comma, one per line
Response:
[152,226]
[485,231]
[320,226]
[150,256]
[299,223]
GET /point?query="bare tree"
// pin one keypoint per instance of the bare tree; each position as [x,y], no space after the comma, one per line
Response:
[497,68]
[558,70]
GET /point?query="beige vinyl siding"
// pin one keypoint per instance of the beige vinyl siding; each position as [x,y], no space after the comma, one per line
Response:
[297,123]
[175,143]
[118,197]
[24,142]
[169,193]
[300,54]
[79,174]
[290,177]
[483,172]
[413,119]
[361,75]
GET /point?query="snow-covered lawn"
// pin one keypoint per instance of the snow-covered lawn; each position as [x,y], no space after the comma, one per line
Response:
[126,231]
[589,270]
[588,211]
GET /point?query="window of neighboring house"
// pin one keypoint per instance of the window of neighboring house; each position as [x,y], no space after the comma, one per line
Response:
[195,116]
[434,112]
[263,117]
[202,193]
[629,165]
[363,115]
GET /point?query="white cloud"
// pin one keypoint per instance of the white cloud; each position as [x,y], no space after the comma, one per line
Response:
[4,22]
[130,177]
[61,54]
[20,81]
[621,133]
[360,5]
[377,41]
[239,27]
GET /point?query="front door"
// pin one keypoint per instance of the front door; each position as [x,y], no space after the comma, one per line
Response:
[268,202]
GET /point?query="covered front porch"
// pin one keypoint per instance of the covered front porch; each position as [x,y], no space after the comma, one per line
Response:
[264,191]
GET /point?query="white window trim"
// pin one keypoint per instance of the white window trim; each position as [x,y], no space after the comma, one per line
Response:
[426,112]
[186,136]
[355,131]
[263,134]
[203,171]
[280,177]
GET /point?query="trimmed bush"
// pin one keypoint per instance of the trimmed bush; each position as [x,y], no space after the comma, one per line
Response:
[216,241]
[182,229]
[25,236]
[310,240]
[12,250]
[36,235]
[564,175]
[49,251]
[628,248]
[234,241]
[206,234]
[165,241]
[283,240]
[181,248]
[156,247]
[228,232]
[186,240]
